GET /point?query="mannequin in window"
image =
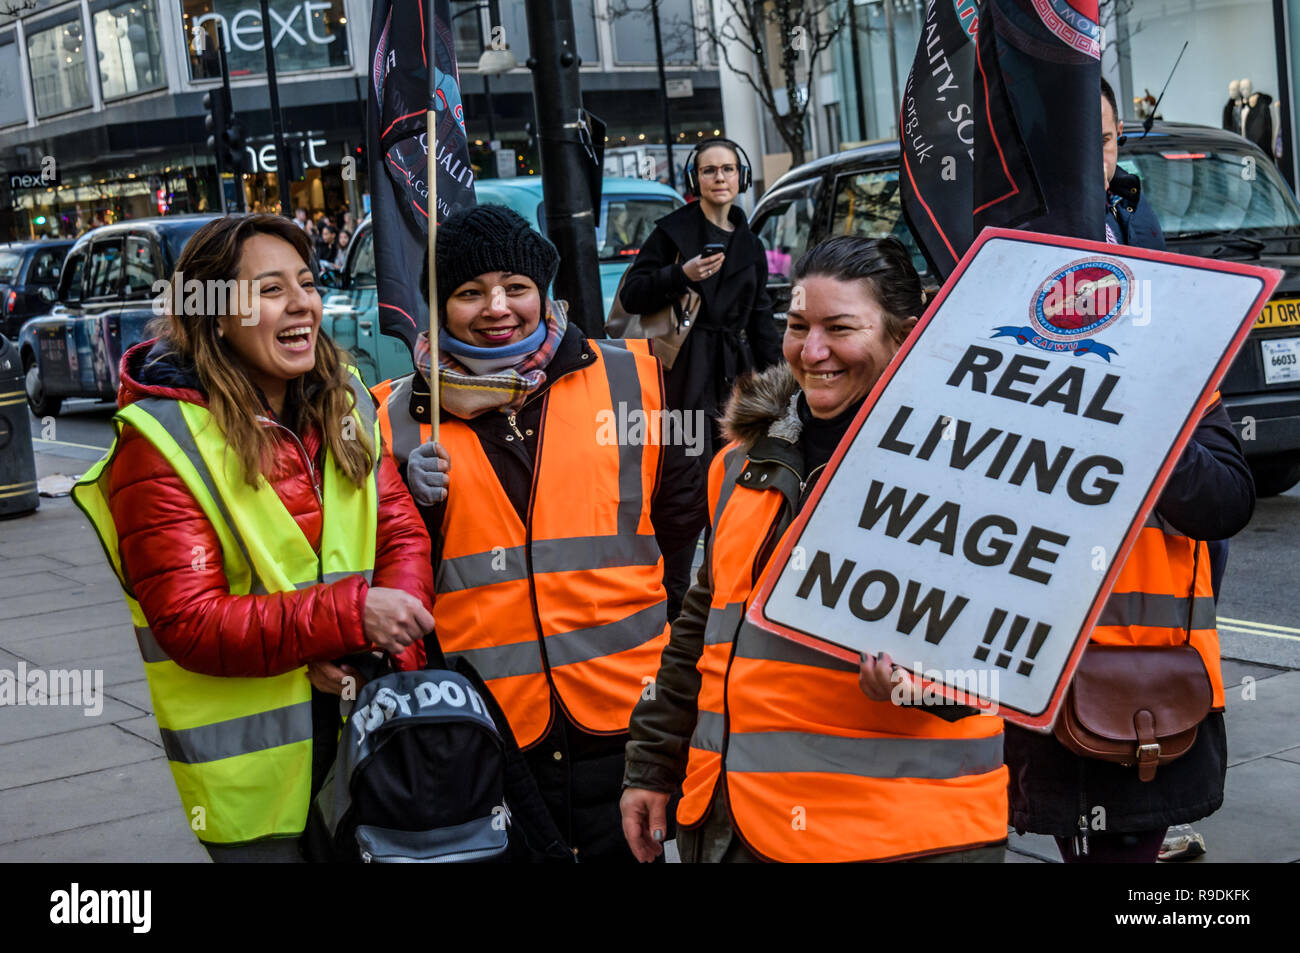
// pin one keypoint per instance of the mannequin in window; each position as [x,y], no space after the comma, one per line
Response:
[1256,117]
[1232,108]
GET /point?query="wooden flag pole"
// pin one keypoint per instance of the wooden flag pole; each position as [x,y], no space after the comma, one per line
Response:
[431,124]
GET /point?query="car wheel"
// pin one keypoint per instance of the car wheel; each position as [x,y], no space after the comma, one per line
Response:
[41,404]
[1275,476]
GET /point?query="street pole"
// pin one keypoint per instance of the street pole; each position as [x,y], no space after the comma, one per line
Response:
[277,127]
[570,219]
[857,72]
[663,91]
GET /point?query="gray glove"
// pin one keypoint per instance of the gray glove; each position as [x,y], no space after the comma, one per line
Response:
[427,473]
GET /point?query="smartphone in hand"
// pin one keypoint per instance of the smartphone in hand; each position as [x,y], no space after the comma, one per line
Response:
[713,248]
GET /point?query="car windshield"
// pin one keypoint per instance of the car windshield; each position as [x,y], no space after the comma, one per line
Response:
[177,234]
[9,264]
[626,221]
[1199,190]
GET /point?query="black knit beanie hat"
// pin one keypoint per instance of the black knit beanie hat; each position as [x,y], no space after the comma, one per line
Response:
[488,238]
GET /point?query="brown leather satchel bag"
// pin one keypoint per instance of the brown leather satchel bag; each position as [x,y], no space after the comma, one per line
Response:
[1135,705]
[668,326]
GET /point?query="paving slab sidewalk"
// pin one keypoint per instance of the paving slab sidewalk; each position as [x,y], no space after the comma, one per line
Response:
[79,787]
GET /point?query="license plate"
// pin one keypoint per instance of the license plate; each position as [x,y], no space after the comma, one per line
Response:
[1281,360]
[1280,313]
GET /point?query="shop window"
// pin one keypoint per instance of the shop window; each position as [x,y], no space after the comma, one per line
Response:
[306,35]
[515,21]
[141,270]
[57,58]
[785,230]
[867,204]
[105,270]
[126,36]
[11,81]
[634,32]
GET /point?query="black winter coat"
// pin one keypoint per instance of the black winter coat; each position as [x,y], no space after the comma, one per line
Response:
[1210,495]
[734,331]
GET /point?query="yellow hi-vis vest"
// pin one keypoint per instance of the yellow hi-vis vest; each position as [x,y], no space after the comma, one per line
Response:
[239,748]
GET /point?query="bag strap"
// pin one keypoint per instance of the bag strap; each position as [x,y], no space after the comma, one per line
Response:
[525,797]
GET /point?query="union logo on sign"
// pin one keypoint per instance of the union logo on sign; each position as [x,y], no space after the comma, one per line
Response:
[1072,304]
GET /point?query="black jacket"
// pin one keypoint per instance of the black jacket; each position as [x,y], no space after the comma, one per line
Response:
[678,510]
[1210,495]
[734,330]
[1132,213]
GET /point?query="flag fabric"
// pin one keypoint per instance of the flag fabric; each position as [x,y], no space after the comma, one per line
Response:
[396,144]
[1047,56]
[996,127]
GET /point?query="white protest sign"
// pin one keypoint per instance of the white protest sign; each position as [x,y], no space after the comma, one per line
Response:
[977,514]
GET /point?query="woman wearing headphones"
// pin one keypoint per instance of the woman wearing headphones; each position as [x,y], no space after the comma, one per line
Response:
[706,246]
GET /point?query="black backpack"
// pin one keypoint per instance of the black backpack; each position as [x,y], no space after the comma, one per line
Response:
[428,771]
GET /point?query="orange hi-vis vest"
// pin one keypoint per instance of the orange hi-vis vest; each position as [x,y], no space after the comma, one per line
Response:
[572,602]
[1164,596]
[814,770]
[1163,593]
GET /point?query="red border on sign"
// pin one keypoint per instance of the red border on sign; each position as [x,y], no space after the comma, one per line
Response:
[1041,720]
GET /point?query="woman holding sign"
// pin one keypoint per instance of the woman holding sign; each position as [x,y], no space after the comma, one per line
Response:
[824,760]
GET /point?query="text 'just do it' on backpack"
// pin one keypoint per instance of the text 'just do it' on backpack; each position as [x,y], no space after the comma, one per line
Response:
[428,771]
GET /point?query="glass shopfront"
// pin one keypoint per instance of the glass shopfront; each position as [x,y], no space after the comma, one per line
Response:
[56,54]
[130,51]
[306,35]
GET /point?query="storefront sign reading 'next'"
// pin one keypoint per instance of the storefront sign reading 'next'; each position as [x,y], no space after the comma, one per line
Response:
[301,25]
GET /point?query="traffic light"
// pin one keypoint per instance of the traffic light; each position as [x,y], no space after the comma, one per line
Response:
[225,132]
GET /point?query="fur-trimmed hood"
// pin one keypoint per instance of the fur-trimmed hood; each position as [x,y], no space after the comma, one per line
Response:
[763,404]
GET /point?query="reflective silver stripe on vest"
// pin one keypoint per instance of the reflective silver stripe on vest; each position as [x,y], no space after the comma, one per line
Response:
[549,555]
[625,398]
[720,626]
[227,739]
[794,751]
[708,731]
[168,413]
[1161,611]
[735,463]
[756,643]
[405,428]
[336,576]
[150,650]
[568,648]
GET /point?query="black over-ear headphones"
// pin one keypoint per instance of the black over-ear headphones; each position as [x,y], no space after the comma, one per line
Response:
[692,172]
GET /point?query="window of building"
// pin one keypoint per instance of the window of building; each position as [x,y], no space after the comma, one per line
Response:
[56,55]
[515,21]
[867,204]
[105,269]
[466,27]
[634,32]
[11,80]
[306,35]
[785,230]
[130,55]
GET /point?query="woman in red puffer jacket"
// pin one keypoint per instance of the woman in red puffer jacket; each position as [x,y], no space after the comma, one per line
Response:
[283,401]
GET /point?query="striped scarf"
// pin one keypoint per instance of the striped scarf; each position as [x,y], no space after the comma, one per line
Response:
[466,394]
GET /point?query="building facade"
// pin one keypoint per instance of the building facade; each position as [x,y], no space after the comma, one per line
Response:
[102,116]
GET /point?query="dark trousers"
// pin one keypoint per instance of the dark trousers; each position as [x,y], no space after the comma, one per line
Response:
[677,577]
[580,777]
[1139,847]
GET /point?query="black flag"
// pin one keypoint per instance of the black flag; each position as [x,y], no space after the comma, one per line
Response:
[1047,55]
[396,144]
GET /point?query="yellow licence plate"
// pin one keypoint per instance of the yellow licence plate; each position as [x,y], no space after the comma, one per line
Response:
[1280,313]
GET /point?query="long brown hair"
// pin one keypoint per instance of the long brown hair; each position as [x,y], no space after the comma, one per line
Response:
[322,397]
